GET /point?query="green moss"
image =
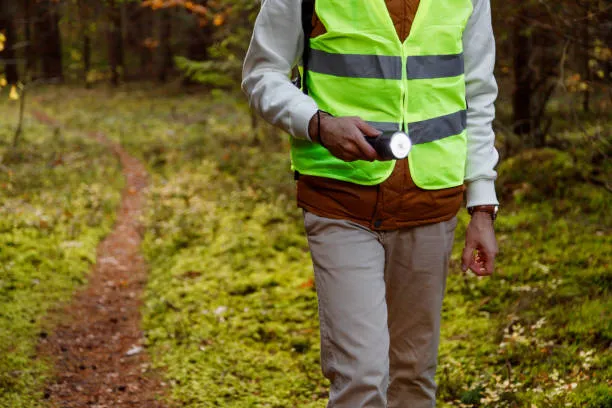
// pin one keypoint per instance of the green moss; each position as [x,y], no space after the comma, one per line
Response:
[58,193]
[230,311]
[593,396]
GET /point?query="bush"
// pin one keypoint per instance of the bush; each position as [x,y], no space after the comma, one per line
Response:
[537,174]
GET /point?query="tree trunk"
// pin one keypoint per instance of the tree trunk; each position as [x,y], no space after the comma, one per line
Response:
[86,58]
[523,84]
[586,51]
[115,43]
[8,55]
[49,40]
[608,40]
[123,33]
[165,48]
[144,36]
[30,49]
[84,14]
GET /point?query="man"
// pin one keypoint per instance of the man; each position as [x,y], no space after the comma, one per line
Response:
[381,232]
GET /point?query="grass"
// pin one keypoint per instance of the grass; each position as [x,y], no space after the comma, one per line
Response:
[230,312]
[58,193]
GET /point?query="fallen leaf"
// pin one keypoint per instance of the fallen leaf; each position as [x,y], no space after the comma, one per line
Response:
[14,95]
[218,20]
[133,351]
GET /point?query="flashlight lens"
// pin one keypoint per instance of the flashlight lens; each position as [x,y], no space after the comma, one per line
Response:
[400,145]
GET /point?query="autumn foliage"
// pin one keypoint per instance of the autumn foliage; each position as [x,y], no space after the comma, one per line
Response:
[214,11]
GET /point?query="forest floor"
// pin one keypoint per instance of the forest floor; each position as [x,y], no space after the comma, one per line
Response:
[95,342]
[229,311]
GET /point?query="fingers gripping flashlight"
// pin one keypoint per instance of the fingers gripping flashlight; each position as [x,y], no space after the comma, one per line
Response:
[391,145]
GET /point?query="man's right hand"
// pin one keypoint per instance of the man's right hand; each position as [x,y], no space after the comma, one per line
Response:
[344,136]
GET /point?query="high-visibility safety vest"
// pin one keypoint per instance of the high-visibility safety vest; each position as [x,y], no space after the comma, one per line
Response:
[359,67]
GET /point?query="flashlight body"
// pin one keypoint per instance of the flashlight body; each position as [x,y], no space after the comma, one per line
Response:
[387,142]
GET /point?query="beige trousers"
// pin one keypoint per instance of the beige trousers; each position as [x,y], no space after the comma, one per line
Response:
[380,298]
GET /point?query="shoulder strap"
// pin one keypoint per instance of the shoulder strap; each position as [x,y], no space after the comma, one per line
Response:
[307,12]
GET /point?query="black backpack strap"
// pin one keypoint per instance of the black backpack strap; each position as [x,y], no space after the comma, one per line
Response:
[307,13]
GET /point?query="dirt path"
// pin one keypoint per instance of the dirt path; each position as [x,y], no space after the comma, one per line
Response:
[96,341]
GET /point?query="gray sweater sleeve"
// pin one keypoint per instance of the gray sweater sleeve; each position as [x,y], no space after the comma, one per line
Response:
[481,92]
[276,46]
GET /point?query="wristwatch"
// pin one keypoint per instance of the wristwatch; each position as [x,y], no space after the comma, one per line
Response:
[489,209]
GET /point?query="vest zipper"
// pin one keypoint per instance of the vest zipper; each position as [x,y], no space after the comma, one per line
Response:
[404,93]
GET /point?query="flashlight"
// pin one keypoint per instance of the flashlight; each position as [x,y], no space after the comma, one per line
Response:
[391,145]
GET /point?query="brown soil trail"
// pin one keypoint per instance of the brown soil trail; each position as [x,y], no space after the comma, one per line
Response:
[95,341]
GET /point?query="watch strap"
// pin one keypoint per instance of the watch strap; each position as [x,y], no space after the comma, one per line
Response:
[489,209]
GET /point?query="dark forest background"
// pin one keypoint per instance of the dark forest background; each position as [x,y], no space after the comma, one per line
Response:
[546,49]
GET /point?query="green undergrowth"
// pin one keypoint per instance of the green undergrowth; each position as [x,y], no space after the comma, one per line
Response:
[230,310]
[58,195]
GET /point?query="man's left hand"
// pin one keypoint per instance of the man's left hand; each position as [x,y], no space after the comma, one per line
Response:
[480,245]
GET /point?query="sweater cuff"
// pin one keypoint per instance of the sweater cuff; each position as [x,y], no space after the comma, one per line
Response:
[481,192]
[300,119]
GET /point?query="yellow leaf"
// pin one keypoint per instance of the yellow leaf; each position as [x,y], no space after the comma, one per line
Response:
[13,95]
[1,46]
[197,9]
[3,82]
[2,38]
[218,20]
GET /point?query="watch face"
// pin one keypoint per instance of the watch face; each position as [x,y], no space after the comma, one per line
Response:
[400,145]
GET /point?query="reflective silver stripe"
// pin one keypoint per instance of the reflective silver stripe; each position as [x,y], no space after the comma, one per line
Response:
[431,129]
[385,126]
[437,128]
[385,67]
[434,66]
[355,65]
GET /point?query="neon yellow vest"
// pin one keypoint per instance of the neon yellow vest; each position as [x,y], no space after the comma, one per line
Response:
[359,67]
